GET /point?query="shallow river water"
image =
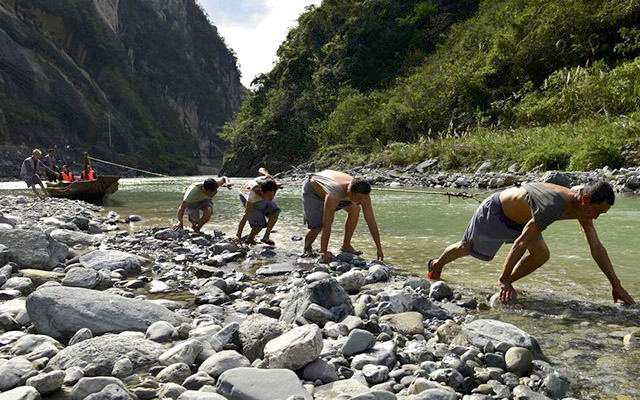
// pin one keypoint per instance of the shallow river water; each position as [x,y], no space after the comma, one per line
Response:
[566,304]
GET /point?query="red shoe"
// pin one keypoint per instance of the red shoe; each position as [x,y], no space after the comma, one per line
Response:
[433,274]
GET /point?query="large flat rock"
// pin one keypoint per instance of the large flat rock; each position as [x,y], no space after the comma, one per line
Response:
[61,311]
[112,260]
[482,331]
[96,356]
[261,384]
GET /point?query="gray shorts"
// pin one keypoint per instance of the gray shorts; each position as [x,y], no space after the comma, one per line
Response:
[262,210]
[196,210]
[313,206]
[489,229]
[33,180]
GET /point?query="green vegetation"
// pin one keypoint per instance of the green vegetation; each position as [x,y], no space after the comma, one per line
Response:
[551,83]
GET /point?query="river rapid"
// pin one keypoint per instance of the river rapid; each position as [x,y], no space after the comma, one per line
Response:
[566,304]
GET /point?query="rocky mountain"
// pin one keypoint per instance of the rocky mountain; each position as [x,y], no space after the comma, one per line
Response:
[153,73]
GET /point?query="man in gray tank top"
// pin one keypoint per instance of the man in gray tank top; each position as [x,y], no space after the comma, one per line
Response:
[326,192]
[519,215]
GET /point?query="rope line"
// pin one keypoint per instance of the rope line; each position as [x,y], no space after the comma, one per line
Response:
[127,167]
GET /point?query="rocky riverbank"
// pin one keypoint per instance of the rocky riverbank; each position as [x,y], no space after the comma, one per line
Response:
[427,174]
[88,310]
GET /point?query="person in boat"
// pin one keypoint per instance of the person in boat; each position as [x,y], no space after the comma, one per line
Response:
[519,215]
[66,175]
[29,172]
[198,202]
[260,208]
[326,192]
[88,174]
[50,161]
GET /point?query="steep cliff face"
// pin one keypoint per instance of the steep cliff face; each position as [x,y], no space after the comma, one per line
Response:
[154,73]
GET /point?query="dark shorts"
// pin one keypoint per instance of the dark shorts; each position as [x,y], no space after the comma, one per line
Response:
[261,211]
[196,210]
[489,229]
[313,206]
[33,180]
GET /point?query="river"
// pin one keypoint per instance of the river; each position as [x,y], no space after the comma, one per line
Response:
[566,304]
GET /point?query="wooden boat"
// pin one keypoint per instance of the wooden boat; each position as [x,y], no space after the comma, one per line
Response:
[91,191]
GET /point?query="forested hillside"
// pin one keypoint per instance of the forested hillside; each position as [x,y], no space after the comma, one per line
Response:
[154,73]
[552,83]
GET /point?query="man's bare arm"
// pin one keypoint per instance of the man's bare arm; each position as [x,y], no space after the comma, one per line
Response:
[529,234]
[370,219]
[247,211]
[601,257]
[180,215]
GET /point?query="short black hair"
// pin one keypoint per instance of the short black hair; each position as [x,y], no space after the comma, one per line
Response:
[599,192]
[360,186]
[269,185]
[210,184]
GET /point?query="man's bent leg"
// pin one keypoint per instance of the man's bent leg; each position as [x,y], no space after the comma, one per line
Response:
[273,218]
[206,216]
[451,253]
[350,226]
[538,255]
[311,236]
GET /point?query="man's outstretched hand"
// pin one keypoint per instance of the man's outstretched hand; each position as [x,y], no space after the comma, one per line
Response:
[619,294]
[507,292]
[178,226]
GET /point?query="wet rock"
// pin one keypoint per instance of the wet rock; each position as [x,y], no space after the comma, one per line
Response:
[494,301]
[295,348]
[418,284]
[61,311]
[97,356]
[258,384]
[223,361]
[256,331]
[15,372]
[21,393]
[185,352]
[556,386]
[33,249]
[112,260]
[518,360]
[319,370]
[482,331]
[358,341]
[440,290]
[175,373]
[408,323]
[327,293]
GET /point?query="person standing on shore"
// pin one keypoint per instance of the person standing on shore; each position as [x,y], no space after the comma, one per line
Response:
[519,215]
[198,202]
[29,173]
[260,208]
[50,161]
[326,192]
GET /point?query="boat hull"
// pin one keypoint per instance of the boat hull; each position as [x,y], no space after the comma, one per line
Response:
[90,191]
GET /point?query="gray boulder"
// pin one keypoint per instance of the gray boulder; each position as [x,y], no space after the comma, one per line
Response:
[522,392]
[48,382]
[161,332]
[276,269]
[88,386]
[184,352]
[174,373]
[518,360]
[327,293]
[81,277]
[482,331]
[440,290]
[557,178]
[351,281]
[61,311]
[97,356]
[199,395]
[294,349]
[223,361]
[256,331]
[21,393]
[320,370]
[15,372]
[33,249]
[258,384]
[72,238]
[436,394]
[112,260]
[358,341]
[382,353]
